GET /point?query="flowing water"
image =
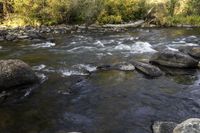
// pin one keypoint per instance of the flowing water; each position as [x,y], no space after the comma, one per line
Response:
[71,100]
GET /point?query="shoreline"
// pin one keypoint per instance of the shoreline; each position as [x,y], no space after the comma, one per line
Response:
[36,33]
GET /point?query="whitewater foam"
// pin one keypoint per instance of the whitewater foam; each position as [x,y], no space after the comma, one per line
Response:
[39,67]
[81,48]
[172,49]
[99,43]
[44,45]
[87,67]
[137,47]
[67,73]
[42,77]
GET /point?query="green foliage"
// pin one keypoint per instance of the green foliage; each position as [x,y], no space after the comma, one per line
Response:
[185,20]
[85,10]
[193,7]
[171,6]
[118,11]
[42,11]
[50,12]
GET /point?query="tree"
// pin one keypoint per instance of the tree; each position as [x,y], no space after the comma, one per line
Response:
[172,4]
[193,7]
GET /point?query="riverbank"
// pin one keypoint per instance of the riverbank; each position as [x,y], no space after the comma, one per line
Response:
[8,33]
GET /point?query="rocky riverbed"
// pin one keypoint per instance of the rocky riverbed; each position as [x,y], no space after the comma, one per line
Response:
[100,81]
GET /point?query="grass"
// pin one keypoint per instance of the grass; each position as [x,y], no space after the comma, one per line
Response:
[182,20]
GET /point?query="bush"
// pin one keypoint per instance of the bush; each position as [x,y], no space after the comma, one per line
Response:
[172,6]
[118,11]
[85,11]
[50,12]
[42,11]
[193,7]
[184,20]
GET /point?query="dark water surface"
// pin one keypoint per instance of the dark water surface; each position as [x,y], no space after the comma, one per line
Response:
[70,100]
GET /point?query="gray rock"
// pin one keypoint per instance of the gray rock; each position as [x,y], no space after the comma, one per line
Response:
[1,38]
[124,66]
[189,126]
[3,32]
[184,49]
[37,41]
[15,73]
[104,67]
[163,127]
[22,37]
[148,69]
[194,51]
[10,37]
[174,59]
[34,35]
[119,66]
[177,71]
[50,39]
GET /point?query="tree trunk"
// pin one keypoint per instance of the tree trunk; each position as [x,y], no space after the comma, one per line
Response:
[5,8]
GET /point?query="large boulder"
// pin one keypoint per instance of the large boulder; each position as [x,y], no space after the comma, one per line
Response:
[193,51]
[147,69]
[189,126]
[15,73]
[163,127]
[174,59]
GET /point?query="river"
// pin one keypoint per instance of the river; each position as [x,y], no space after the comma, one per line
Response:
[71,100]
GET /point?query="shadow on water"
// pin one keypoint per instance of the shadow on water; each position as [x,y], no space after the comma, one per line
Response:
[70,100]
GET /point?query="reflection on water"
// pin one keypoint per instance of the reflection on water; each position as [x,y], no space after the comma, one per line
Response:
[75,98]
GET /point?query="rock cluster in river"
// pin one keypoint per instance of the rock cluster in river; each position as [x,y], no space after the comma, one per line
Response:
[23,34]
[174,59]
[189,58]
[36,33]
[15,74]
[191,125]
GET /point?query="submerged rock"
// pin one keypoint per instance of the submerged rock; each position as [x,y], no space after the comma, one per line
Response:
[1,38]
[104,67]
[148,69]
[124,66]
[34,35]
[163,127]
[177,71]
[189,126]
[15,73]
[174,59]
[195,52]
[119,66]
[37,41]
[10,37]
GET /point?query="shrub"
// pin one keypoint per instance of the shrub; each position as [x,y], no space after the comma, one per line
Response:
[185,20]
[118,11]
[85,11]
[42,11]
[172,6]
[193,7]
